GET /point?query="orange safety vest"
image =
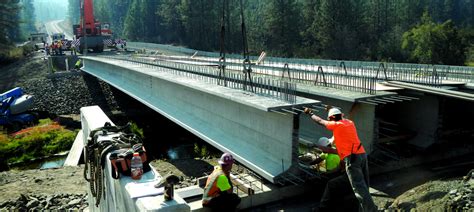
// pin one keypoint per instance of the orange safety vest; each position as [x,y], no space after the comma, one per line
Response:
[345,137]
[211,190]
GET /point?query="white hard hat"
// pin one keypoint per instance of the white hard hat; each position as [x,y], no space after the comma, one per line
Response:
[334,111]
[323,141]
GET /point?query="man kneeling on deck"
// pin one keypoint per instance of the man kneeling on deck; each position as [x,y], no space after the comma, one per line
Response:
[218,191]
[331,160]
[323,158]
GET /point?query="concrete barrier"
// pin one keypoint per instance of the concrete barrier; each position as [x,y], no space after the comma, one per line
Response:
[126,194]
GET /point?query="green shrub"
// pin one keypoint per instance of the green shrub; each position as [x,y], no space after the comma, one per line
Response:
[197,150]
[44,122]
[12,54]
[204,152]
[45,139]
[136,130]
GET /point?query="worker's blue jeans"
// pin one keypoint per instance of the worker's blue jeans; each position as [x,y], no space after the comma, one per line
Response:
[358,173]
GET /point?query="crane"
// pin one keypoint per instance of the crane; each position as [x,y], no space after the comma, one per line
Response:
[89,31]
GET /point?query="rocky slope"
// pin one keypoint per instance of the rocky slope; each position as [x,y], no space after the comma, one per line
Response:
[57,93]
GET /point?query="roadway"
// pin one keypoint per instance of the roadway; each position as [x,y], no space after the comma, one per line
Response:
[55,27]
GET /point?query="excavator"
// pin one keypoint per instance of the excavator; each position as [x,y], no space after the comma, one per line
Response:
[14,106]
[89,32]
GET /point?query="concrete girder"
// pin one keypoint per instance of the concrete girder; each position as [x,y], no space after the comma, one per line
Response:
[231,120]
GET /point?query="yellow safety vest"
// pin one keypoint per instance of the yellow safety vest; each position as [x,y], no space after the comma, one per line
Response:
[211,190]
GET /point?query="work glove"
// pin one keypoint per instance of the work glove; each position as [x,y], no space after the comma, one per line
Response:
[307,110]
[328,107]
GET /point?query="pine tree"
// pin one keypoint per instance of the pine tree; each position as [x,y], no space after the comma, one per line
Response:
[282,24]
[133,29]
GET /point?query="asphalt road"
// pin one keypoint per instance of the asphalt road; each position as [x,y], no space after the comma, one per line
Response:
[54,27]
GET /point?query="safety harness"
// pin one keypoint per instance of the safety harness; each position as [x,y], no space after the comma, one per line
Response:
[104,140]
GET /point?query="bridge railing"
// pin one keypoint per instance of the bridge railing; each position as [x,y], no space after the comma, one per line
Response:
[426,74]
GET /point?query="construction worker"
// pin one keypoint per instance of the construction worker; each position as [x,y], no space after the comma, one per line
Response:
[46,48]
[73,49]
[78,65]
[55,47]
[218,191]
[352,152]
[325,159]
[60,47]
[331,160]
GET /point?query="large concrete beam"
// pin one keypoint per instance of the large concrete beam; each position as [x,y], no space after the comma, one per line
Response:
[125,194]
[231,120]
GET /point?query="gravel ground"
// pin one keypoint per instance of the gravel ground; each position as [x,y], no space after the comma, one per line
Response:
[57,93]
[65,188]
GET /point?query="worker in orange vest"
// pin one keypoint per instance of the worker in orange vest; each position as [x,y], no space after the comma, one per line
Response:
[60,47]
[352,152]
[218,191]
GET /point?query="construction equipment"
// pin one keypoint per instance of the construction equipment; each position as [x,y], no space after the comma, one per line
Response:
[57,37]
[14,106]
[90,32]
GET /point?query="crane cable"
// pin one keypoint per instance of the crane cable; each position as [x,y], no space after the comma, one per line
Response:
[247,65]
[222,47]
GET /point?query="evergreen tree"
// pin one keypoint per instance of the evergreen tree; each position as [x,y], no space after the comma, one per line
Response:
[133,29]
[309,30]
[282,25]
[256,35]
[433,43]
[341,29]
[27,18]
[332,29]
[74,11]
[9,21]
